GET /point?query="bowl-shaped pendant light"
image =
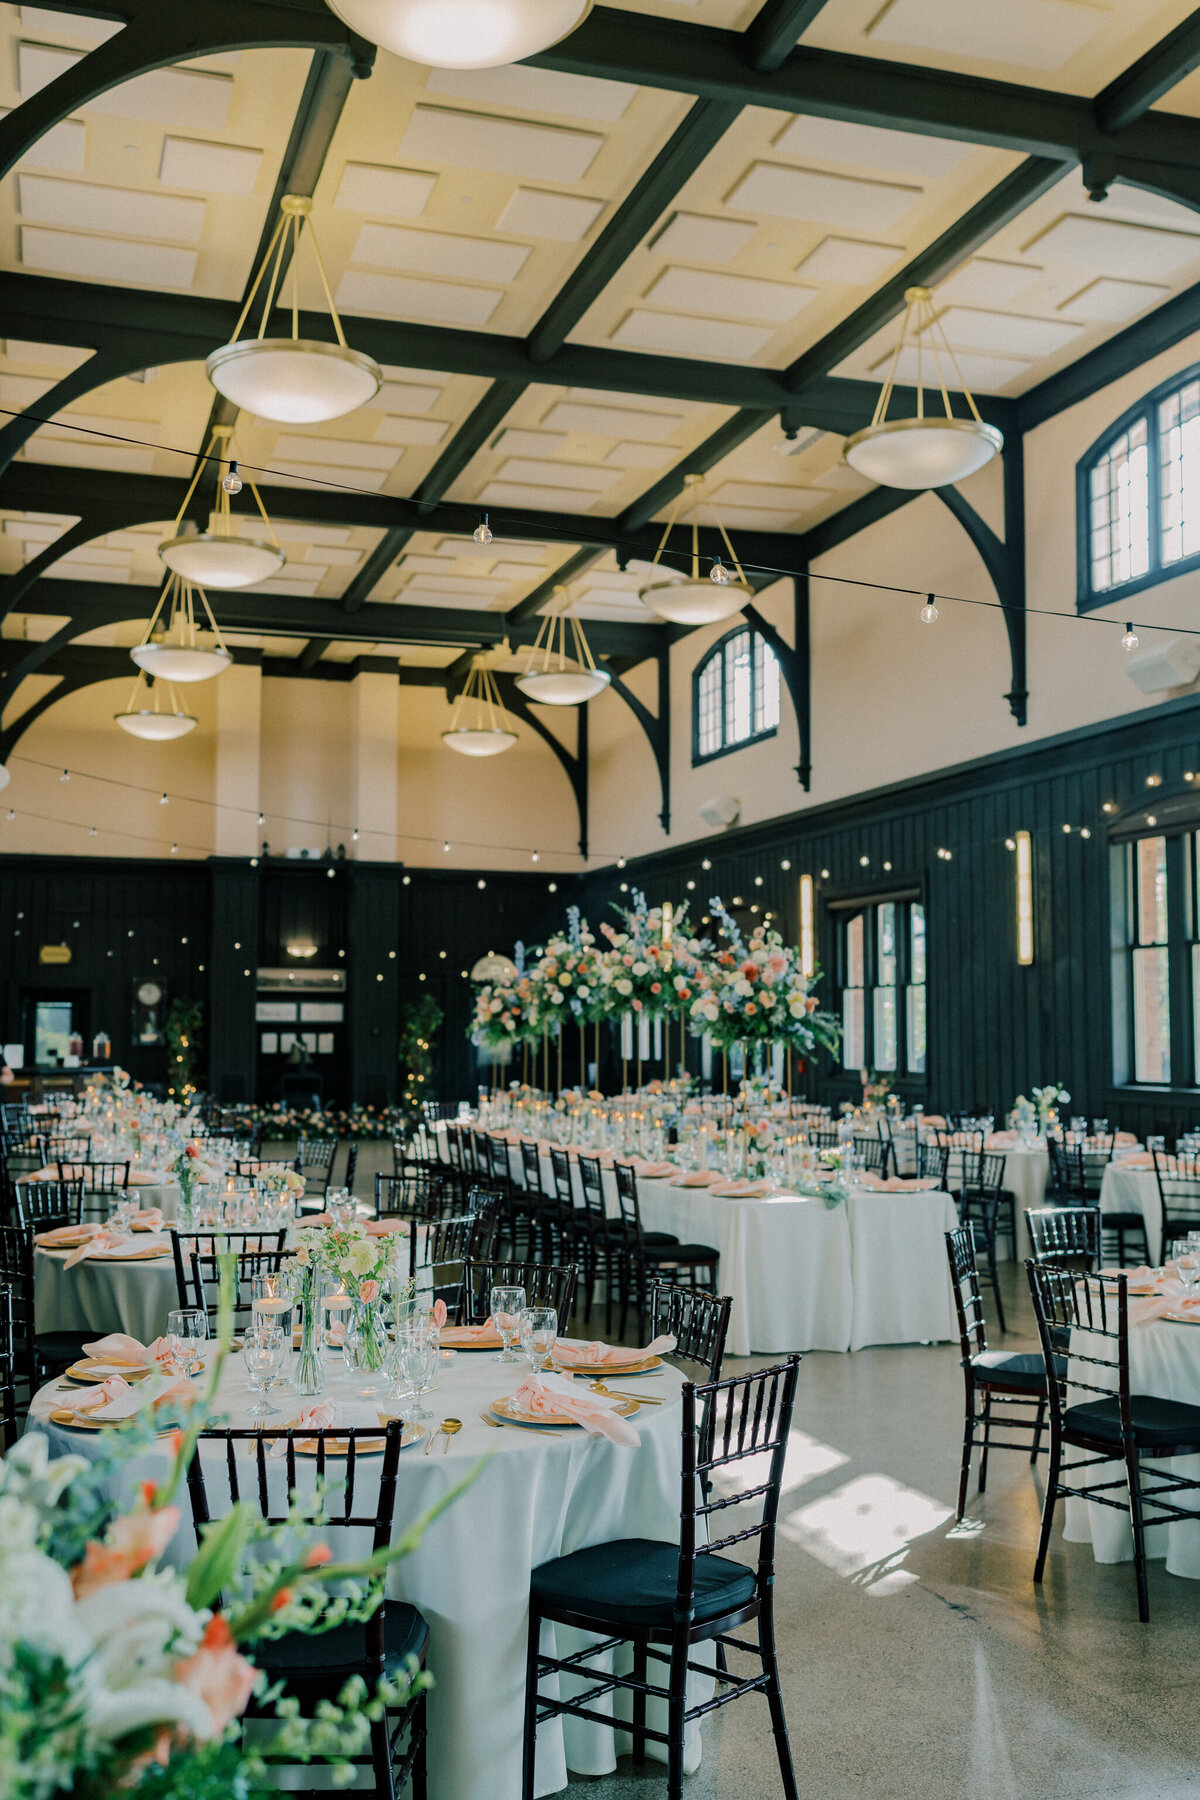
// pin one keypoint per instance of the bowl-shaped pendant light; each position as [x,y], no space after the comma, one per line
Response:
[695,599]
[463,34]
[156,723]
[558,677]
[925,451]
[179,650]
[292,380]
[478,726]
[221,557]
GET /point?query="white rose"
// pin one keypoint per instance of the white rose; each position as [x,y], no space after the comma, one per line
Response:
[641,968]
[623,986]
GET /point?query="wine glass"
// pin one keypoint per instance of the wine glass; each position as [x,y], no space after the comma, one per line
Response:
[418,1362]
[539,1334]
[507,1306]
[187,1326]
[262,1354]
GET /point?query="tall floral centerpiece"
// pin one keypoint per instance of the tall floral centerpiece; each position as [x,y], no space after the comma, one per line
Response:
[508,1011]
[569,984]
[649,969]
[756,992]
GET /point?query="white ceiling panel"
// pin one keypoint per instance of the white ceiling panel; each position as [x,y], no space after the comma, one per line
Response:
[755,518]
[425,565]
[670,332]
[100,553]
[34,530]
[338,559]
[849,260]
[313,476]
[1112,248]
[61,24]
[641,456]
[1034,34]
[411,596]
[694,238]
[83,571]
[65,424]
[40,64]
[79,455]
[405,396]
[312,534]
[562,218]
[678,409]
[536,90]
[337,451]
[984,374]
[458,584]
[397,430]
[63,147]
[529,443]
[22,390]
[209,168]
[389,193]
[561,474]
[842,477]
[770,496]
[399,296]
[186,99]
[783,193]
[438,253]
[506,146]
[84,206]
[1114,301]
[984,282]
[535,499]
[1007,333]
[518,571]
[599,420]
[734,296]
[868,147]
[106,259]
[393,372]
[285,584]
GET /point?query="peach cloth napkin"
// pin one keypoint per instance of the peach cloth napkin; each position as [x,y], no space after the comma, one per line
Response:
[697,1178]
[67,1236]
[148,1219]
[741,1190]
[895,1184]
[312,1418]
[117,1348]
[115,1399]
[650,1171]
[470,1334]
[103,1240]
[598,1355]
[372,1227]
[1000,1140]
[540,1394]
[1125,1137]
[1170,1295]
[1140,1159]
[438,1314]
[935,1119]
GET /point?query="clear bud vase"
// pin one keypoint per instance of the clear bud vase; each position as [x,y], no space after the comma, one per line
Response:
[309,1375]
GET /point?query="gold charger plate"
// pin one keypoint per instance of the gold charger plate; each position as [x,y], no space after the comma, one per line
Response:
[80,1421]
[645,1365]
[452,1342]
[148,1255]
[1188,1318]
[504,1410]
[412,1434]
[92,1369]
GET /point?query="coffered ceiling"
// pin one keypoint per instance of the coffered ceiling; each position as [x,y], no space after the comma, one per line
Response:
[652,249]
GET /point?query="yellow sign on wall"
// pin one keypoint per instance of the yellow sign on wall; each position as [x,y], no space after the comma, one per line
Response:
[54,953]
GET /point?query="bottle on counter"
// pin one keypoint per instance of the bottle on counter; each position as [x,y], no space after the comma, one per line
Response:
[101,1047]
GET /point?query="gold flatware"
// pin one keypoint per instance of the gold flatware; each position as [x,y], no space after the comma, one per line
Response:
[600,1387]
[498,1425]
[449,1427]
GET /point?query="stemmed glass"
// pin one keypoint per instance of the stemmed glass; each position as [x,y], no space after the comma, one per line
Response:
[418,1362]
[507,1307]
[262,1353]
[539,1334]
[187,1326]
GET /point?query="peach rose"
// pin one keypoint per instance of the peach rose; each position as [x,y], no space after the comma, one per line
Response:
[368,1292]
[132,1541]
[218,1675]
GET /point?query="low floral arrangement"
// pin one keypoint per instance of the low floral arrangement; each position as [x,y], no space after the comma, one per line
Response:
[278,1121]
[119,1672]
[1044,1102]
[190,1167]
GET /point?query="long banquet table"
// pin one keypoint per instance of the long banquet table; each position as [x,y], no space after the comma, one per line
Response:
[807,1274]
[539,1497]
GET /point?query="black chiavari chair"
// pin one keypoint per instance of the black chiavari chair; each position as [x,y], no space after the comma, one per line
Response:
[235,1466]
[1067,1236]
[932,1163]
[449,1245]
[103,1184]
[698,1322]
[314,1159]
[641,1257]
[545,1284]
[37,1353]
[417,1195]
[198,1278]
[1178,1180]
[1113,1426]
[1001,1386]
[666,1599]
[9,1431]
[46,1204]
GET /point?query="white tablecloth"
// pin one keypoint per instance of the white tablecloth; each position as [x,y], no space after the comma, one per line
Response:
[540,1497]
[163,1194]
[1125,1190]
[789,1262]
[1026,1178]
[1164,1359]
[97,1295]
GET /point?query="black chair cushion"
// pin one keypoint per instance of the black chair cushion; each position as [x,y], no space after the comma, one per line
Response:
[633,1582]
[659,1237]
[1011,1369]
[321,1664]
[1155,1420]
[680,1253]
[62,1346]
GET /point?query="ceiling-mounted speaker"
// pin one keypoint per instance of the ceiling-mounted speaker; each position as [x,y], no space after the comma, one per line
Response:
[723,810]
[1174,663]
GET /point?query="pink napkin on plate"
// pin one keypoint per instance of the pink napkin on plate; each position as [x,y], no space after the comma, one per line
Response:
[469,1334]
[696,1178]
[111,1399]
[312,1418]
[541,1394]
[598,1355]
[67,1236]
[144,1178]
[118,1348]
[741,1190]
[149,1219]
[1172,1296]
[103,1240]
[1125,1137]
[895,1184]
[378,1228]
[651,1171]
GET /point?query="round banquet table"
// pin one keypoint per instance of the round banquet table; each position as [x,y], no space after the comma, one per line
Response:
[1164,1359]
[1026,1178]
[102,1294]
[807,1275]
[539,1497]
[1135,1190]
[149,1187]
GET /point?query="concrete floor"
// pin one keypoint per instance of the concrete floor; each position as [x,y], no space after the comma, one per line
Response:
[919,1661]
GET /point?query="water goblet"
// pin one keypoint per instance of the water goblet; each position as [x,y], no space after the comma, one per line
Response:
[539,1334]
[507,1305]
[187,1326]
[418,1361]
[262,1355]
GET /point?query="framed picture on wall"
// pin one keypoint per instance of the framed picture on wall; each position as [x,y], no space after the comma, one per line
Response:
[275,1012]
[322,1012]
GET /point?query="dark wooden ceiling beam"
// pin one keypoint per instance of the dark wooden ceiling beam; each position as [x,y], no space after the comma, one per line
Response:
[1150,78]
[775,30]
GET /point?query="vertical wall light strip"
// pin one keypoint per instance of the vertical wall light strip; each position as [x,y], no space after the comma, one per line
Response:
[808,959]
[668,921]
[1024,899]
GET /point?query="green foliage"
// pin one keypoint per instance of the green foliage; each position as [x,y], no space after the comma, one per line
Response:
[419,1023]
[184,1031]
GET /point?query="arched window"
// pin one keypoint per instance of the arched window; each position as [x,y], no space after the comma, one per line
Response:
[735,695]
[1138,496]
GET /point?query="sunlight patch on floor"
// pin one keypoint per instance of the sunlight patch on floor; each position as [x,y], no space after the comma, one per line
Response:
[804,1460]
[865,1529]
